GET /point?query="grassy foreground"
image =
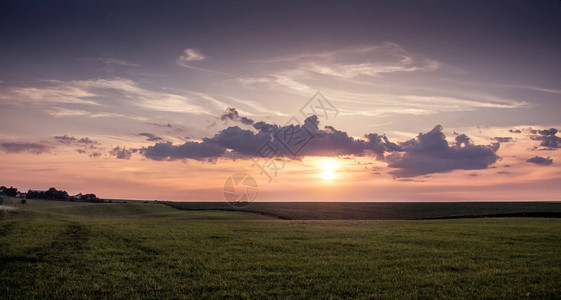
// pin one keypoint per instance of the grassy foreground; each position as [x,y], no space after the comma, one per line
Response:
[52,249]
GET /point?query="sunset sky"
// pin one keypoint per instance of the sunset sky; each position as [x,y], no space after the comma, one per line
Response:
[418,100]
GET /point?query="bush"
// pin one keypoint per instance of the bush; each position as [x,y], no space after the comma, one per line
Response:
[23,201]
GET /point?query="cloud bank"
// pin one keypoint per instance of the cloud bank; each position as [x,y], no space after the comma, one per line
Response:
[427,153]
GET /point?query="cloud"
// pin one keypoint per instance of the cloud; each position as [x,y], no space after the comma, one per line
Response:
[284,141]
[502,139]
[150,137]
[190,55]
[427,153]
[54,92]
[193,150]
[112,61]
[95,93]
[145,98]
[235,142]
[548,132]
[365,79]
[431,153]
[232,114]
[168,125]
[360,61]
[515,131]
[95,154]
[64,112]
[87,141]
[34,148]
[538,160]
[548,138]
[122,153]
[66,139]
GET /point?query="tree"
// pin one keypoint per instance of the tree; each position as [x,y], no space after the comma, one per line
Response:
[10,192]
[91,198]
[53,193]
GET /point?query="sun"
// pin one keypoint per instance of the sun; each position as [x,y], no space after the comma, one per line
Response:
[328,166]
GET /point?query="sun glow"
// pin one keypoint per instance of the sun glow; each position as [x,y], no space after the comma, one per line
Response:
[328,167]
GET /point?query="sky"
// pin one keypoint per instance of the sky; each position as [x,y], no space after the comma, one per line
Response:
[316,100]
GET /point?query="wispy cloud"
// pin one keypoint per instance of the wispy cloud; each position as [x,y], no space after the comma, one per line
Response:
[190,55]
[372,104]
[65,112]
[118,62]
[58,92]
[97,92]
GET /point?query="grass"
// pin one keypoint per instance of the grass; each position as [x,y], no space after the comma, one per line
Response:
[51,249]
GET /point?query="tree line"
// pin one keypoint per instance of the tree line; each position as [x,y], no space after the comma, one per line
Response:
[52,194]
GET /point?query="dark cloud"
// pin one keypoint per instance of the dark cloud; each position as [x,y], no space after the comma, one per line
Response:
[461,139]
[538,160]
[241,141]
[87,141]
[502,139]
[266,127]
[237,142]
[515,131]
[168,125]
[333,142]
[232,114]
[548,139]
[426,154]
[65,139]
[193,150]
[551,131]
[150,137]
[34,148]
[122,153]
[430,153]
[81,151]
[95,154]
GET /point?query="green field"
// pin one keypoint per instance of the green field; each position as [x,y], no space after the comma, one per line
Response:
[55,249]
